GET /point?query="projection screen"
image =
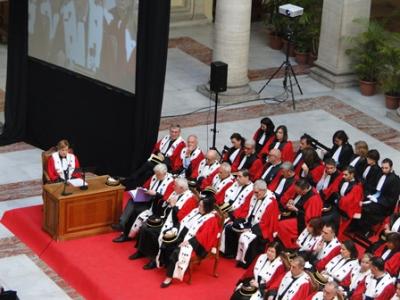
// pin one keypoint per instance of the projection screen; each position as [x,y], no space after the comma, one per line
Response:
[95,38]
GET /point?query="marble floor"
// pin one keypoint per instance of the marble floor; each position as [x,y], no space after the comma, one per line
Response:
[319,112]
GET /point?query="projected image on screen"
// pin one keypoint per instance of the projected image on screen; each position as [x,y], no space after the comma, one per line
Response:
[96,38]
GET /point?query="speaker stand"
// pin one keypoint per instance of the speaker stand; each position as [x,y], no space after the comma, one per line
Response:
[214,130]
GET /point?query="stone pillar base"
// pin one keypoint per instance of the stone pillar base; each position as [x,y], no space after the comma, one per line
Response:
[232,95]
[333,80]
[393,115]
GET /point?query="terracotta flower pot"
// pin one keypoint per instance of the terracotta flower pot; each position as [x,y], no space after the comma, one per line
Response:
[392,102]
[367,88]
[291,48]
[301,58]
[275,41]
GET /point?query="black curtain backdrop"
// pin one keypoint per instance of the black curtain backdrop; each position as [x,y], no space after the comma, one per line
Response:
[16,86]
[110,130]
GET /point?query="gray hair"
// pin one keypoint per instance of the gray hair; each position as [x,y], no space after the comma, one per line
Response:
[226,167]
[260,185]
[182,182]
[299,260]
[333,284]
[250,142]
[160,168]
[287,165]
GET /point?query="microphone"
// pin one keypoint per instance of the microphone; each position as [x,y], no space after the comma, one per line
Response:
[66,177]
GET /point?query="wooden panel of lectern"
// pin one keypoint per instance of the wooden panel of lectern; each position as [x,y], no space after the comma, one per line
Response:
[82,213]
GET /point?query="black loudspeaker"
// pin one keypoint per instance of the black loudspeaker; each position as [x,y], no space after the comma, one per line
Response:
[218,78]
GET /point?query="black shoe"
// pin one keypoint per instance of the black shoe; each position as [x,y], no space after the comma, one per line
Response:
[136,255]
[150,265]
[117,227]
[165,285]
[121,239]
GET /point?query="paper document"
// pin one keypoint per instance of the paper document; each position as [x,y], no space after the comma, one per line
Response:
[141,196]
[77,182]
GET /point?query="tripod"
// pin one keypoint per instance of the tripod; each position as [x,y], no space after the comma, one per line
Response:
[289,73]
[214,130]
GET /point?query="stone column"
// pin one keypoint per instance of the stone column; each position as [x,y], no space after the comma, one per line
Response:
[333,65]
[231,45]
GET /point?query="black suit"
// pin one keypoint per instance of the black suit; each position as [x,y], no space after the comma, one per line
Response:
[375,213]
[370,182]
[344,157]
[359,166]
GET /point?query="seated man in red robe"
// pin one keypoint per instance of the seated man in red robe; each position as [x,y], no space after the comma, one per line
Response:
[159,187]
[299,211]
[379,285]
[246,160]
[328,185]
[62,164]
[268,170]
[166,150]
[187,164]
[284,188]
[349,200]
[207,169]
[295,285]
[260,225]
[327,248]
[197,235]
[305,142]
[222,182]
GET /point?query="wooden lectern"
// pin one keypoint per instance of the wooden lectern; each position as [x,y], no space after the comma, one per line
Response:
[84,212]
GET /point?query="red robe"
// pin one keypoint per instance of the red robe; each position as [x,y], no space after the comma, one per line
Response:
[315,174]
[392,264]
[242,211]
[189,205]
[51,170]
[168,191]
[276,277]
[332,249]
[298,291]
[386,294]
[290,193]
[350,204]
[287,152]
[175,157]
[266,145]
[287,228]
[268,225]
[333,187]
[194,164]
[206,237]
[235,162]
[222,188]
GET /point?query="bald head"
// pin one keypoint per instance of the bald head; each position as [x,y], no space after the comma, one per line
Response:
[274,156]
[211,156]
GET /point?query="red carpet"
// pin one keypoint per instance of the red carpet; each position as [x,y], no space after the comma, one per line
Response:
[99,269]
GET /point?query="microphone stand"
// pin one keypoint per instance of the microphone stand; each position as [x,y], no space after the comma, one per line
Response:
[64,192]
[83,187]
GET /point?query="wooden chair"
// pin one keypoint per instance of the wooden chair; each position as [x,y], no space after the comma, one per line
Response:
[45,158]
[214,252]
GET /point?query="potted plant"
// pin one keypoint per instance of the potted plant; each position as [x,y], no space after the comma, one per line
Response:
[274,23]
[389,73]
[365,54]
[302,49]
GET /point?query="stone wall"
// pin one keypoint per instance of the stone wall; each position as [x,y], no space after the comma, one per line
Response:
[191,12]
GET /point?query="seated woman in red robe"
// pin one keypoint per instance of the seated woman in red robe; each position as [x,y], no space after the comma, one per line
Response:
[62,164]
[264,275]
[232,154]
[390,253]
[282,143]
[340,267]
[198,234]
[313,167]
[264,134]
